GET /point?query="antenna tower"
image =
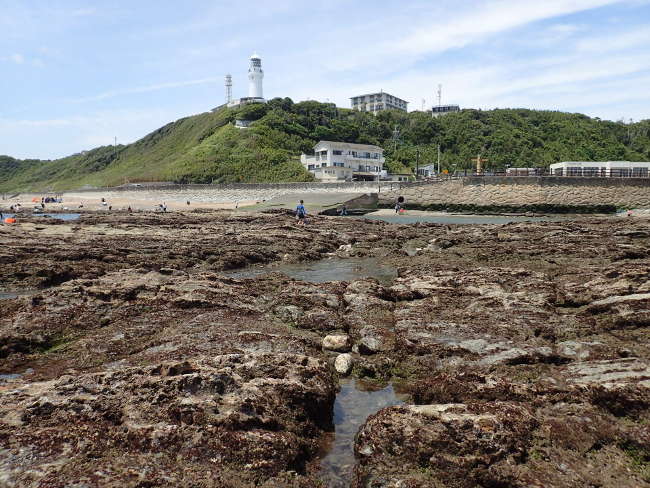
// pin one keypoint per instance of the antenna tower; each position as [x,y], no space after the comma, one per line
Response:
[228,88]
[423,103]
[439,95]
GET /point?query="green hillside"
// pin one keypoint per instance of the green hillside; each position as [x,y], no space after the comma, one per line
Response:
[208,147]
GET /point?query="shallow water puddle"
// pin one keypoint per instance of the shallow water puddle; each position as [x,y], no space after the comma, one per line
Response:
[354,403]
[6,377]
[9,295]
[60,216]
[332,269]
[459,219]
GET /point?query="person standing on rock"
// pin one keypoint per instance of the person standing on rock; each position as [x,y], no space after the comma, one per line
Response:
[301,213]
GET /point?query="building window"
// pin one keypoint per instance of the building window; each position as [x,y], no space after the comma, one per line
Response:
[337,152]
[339,165]
[310,167]
[323,165]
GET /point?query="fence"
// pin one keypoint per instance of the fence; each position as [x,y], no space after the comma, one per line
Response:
[587,172]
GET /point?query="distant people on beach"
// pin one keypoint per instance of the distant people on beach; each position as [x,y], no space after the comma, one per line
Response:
[301,213]
[343,211]
[188,203]
[130,210]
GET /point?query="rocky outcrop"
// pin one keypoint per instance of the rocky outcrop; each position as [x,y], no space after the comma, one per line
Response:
[211,417]
[519,350]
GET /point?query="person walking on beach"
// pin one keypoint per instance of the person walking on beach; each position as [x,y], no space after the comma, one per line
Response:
[399,204]
[301,213]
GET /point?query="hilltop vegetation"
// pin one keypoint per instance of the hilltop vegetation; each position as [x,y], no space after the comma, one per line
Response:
[208,147]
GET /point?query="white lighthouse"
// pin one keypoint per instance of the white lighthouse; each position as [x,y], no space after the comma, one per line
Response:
[255,77]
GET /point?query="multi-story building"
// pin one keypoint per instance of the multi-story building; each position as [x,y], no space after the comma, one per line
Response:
[438,110]
[375,102]
[344,161]
[601,169]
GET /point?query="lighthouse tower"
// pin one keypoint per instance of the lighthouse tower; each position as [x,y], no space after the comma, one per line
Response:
[255,77]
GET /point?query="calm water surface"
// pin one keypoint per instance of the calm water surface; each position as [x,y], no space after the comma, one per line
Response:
[8,295]
[332,269]
[353,405]
[60,216]
[460,219]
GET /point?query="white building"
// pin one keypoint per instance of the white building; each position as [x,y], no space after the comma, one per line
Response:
[427,171]
[601,169]
[344,161]
[375,102]
[255,90]
[438,110]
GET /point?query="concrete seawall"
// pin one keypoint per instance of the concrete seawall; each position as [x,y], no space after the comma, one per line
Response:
[220,193]
[524,192]
[148,196]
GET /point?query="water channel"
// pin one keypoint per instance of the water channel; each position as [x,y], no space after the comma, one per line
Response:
[355,402]
[442,218]
[331,269]
[60,216]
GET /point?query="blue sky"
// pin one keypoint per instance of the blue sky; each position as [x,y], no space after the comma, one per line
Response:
[75,74]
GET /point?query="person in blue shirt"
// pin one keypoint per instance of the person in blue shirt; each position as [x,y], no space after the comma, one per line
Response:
[301,213]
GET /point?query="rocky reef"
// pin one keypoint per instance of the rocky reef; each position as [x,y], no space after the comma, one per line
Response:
[135,357]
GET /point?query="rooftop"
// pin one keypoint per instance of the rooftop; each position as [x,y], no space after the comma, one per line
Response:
[378,93]
[350,145]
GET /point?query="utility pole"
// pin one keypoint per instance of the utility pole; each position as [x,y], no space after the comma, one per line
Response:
[395,137]
[438,158]
[417,163]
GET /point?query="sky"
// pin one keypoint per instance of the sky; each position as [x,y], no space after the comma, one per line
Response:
[76,74]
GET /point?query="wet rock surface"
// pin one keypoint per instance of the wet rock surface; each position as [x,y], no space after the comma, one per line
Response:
[137,361]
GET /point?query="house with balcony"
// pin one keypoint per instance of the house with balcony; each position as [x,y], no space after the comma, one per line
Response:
[344,161]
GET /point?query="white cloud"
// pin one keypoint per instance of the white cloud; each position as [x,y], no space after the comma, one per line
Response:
[83,12]
[17,58]
[146,89]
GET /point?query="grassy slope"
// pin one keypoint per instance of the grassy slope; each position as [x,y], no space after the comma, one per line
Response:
[207,147]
